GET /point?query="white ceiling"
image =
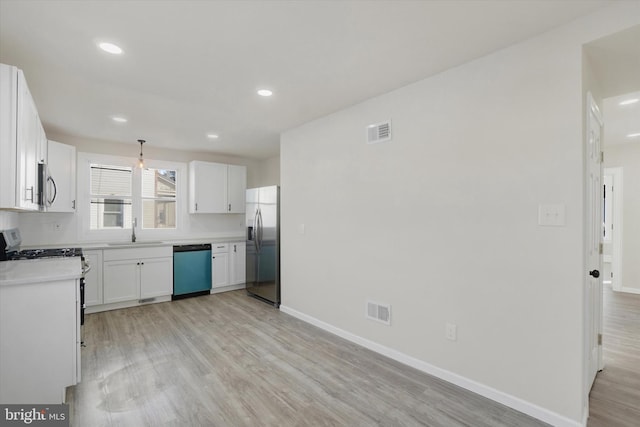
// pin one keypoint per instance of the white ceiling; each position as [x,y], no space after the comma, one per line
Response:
[193,67]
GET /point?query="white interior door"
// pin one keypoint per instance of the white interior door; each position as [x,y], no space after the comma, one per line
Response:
[593,281]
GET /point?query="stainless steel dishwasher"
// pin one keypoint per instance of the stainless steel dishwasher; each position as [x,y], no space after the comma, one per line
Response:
[191,270]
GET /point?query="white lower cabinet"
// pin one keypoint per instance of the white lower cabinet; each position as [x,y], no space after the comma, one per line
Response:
[137,273]
[121,281]
[93,278]
[39,332]
[237,262]
[227,264]
[156,277]
[219,265]
[126,277]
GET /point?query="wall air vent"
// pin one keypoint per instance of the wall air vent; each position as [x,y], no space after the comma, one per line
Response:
[379,312]
[379,132]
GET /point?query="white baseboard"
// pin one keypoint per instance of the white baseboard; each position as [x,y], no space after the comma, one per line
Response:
[228,288]
[466,383]
[124,304]
[630,290]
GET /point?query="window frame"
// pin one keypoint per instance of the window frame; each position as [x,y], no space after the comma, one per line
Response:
[98,200]
[157,198]
[85,233]
[119,213]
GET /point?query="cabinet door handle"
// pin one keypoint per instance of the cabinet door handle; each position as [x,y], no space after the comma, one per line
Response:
[31,197]
[234,248]
[73,204]
[229,207]
[196,206]
[213,257]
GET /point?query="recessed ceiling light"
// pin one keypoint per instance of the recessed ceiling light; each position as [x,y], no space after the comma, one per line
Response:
[119,119]
[633,135]
[111,48]
[212,136]
[629,101]
[265,92]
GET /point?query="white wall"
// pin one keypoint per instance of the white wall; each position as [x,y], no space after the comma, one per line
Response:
[268,172]
[627,156]
[255,168]
[441,223]
[38,228]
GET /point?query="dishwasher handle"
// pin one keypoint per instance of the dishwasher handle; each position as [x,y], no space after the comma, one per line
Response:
[192,248]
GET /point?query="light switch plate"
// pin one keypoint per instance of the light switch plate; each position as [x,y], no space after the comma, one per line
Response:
[551,215]
[451,331]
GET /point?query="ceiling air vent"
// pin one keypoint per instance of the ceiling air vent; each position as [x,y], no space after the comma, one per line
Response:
[379,132]
[379,312]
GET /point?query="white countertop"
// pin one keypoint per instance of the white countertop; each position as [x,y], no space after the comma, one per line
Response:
[39,270]
[139,243]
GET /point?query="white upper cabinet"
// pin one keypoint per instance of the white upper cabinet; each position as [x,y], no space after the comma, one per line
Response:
[216,187]
[236,189]
[28,148]
[207,187]
[22,142]
[62,182]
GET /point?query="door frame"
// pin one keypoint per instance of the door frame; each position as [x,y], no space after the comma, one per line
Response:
[617,235]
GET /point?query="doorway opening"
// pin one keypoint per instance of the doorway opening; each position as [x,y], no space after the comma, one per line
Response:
[608,70]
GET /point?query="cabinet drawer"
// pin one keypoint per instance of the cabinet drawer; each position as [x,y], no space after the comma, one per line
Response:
[138,253]
[218,248]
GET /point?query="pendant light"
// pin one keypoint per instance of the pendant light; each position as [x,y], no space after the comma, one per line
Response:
[140,159]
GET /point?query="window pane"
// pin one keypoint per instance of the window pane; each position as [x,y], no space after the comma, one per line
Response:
[110,213]
[159,183]
[110,180]
[158,213]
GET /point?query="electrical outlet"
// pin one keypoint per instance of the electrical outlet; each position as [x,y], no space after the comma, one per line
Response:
[451,331]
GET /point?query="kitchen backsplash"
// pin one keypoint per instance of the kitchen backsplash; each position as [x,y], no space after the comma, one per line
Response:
[62,228]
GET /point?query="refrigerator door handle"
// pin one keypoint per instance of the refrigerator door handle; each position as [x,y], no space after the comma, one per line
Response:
[255,231]
[260,230]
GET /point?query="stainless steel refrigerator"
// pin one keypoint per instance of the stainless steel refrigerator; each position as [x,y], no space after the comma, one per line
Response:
[263,243]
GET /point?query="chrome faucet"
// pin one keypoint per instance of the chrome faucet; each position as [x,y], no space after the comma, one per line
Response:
[133,230]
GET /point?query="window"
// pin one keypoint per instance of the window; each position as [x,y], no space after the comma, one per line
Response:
[114,194]
[158,198]
[110,197]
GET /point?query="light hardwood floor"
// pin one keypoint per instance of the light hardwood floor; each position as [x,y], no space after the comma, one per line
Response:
[230,360]
[615,397]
